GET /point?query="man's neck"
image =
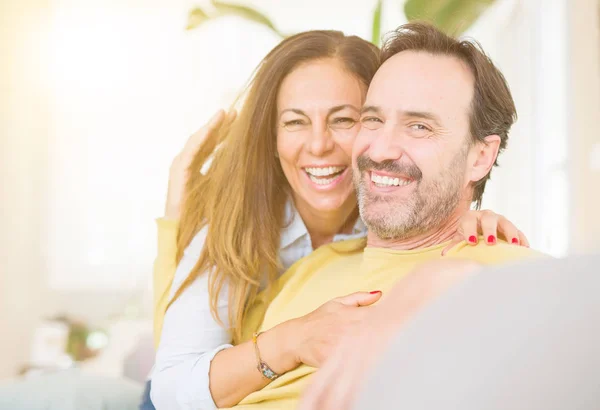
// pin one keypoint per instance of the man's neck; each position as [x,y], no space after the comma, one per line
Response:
[442,233]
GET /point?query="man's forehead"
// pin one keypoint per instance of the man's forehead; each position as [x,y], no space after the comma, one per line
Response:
[419,81]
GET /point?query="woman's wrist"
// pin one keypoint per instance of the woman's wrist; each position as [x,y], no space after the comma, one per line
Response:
[173,205]
[172,212]
[278,348]
[175,189]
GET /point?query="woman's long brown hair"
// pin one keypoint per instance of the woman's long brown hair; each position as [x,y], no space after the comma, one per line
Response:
[241,198]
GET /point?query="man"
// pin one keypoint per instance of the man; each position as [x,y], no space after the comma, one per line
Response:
[436,115]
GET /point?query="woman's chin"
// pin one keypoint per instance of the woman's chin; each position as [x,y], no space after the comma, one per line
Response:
[332,205]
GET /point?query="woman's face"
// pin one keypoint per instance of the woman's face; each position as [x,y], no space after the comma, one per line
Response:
[318,111]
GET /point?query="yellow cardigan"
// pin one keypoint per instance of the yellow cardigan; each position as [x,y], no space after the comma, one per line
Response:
[164,271]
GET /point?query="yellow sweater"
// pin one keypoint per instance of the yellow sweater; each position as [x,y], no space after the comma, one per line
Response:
[331,271]
[164,271]
[336,270]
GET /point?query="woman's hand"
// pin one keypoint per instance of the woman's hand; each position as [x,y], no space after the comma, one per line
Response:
[489,224]
[179,171]
[336,383]
[314,337]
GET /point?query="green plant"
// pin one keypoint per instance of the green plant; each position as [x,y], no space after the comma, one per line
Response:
[451,16]
[199,16]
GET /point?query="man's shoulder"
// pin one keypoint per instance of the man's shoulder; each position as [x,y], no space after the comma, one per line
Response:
[325,257]
[332,253]
[501,252]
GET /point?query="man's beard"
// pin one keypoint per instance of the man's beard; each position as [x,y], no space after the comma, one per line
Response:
[428,207]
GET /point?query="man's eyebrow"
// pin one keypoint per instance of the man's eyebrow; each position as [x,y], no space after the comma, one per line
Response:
[295,110]
[370,108]
[414,114]
[422,114]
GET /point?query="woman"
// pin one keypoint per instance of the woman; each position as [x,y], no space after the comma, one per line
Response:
[279,186]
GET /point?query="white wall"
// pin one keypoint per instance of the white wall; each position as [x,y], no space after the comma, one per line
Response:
[584,124]
[549,179]
[24,121]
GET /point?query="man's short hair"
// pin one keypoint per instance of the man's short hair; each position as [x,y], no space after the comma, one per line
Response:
[493,110]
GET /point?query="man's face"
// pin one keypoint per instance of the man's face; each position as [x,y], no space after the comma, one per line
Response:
[410,157]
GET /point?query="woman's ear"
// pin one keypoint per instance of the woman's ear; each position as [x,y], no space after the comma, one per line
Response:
[484,154]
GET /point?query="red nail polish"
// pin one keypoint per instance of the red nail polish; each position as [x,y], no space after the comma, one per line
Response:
[515,240]
[473,239]
[491,239]
[374,292]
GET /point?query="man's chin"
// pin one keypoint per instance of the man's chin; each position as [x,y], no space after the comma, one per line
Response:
[384,224]
[398,212]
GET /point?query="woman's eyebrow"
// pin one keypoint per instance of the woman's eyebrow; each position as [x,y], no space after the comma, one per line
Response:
[294,110]
[332,110]
[338,108]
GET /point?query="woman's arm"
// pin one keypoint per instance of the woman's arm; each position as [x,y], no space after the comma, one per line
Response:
[196,366]
[190,338]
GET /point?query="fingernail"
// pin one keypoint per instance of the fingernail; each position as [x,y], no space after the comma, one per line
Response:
[473,239]
[491,239]
[375,291]
[515,240]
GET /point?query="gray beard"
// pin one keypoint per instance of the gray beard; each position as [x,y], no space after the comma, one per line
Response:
[431,204]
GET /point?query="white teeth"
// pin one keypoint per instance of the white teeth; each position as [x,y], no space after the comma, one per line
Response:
[323,171]
[388,181]
[321,181]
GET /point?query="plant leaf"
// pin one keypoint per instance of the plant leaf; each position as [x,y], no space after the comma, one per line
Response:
[423,10]
[248,13]
[451,16]
[196,17]
[376,27]
[458,16]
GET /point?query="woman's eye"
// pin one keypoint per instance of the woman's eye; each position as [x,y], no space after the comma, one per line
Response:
[343,123]
[294,125]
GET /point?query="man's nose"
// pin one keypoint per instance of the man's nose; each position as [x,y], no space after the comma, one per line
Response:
[387,145]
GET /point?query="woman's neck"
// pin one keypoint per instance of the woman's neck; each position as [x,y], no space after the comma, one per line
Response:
[322,226]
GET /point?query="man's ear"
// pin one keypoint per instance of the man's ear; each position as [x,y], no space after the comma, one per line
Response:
[484,154]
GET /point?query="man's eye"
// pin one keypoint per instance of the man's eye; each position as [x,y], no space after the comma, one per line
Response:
[371,123]
[419,127]
[419,130]
[371,119]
